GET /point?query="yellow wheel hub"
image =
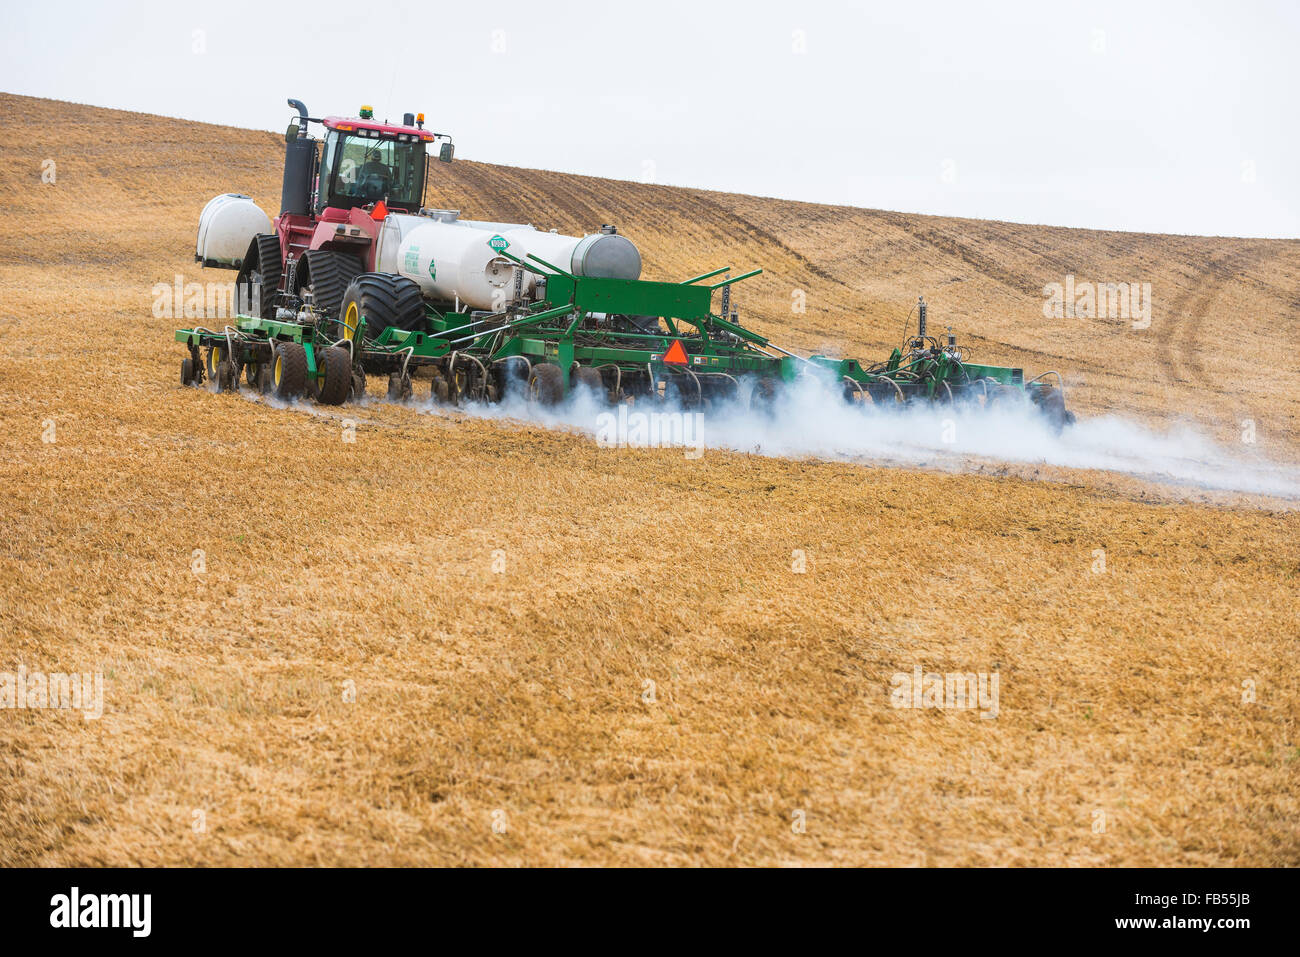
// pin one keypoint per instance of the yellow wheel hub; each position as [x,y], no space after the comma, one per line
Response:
[351,319]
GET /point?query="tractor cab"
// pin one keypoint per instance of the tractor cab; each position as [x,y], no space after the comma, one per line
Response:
[336,193]
[365,162]
[360,164]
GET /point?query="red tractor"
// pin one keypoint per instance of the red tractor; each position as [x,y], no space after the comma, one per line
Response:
[333,203]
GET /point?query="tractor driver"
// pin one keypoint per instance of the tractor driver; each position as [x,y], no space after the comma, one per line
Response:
[374,178]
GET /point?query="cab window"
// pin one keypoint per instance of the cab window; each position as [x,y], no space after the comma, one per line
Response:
[361,170]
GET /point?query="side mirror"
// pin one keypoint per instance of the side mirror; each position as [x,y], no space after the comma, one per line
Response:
[447,152]
[291,133]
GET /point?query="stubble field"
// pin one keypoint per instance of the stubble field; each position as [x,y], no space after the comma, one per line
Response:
[455,641]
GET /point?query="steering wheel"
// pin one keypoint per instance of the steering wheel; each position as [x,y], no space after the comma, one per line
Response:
[373,181]
[372,186]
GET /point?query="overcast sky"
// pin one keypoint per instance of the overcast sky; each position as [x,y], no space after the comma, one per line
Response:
[1168,117]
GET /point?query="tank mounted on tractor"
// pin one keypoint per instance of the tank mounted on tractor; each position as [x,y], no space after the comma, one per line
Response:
[356,276]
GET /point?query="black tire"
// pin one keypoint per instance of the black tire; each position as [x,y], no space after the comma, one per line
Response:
[510,377]
[1004,396]
[212,361]
[457,387]
[289,370]
[1051,403]
[399,387]
[383,300]
[226,377]
[326,274]
[253,374]
[358,391]
[763,398]
[684,391]
[585,377]
[335,367]
[439,390]
[546,384]
[187,371]
[262,269]
[718,392]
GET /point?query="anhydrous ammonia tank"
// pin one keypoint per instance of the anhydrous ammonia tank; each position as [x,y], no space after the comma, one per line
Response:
[452,262]
[606,255]
[458,260]
[226,226]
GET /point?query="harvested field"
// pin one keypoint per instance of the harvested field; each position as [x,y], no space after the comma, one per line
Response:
[463,641]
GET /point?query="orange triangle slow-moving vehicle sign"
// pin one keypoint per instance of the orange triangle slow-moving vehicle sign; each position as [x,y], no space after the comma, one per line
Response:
[675,354]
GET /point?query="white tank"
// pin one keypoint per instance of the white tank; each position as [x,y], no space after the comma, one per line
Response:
[451,261]
[604,255]
[226,227]
[396,227]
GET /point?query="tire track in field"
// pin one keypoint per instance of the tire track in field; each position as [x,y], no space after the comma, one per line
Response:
[1178,337]
[764,236]
[1016,281]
